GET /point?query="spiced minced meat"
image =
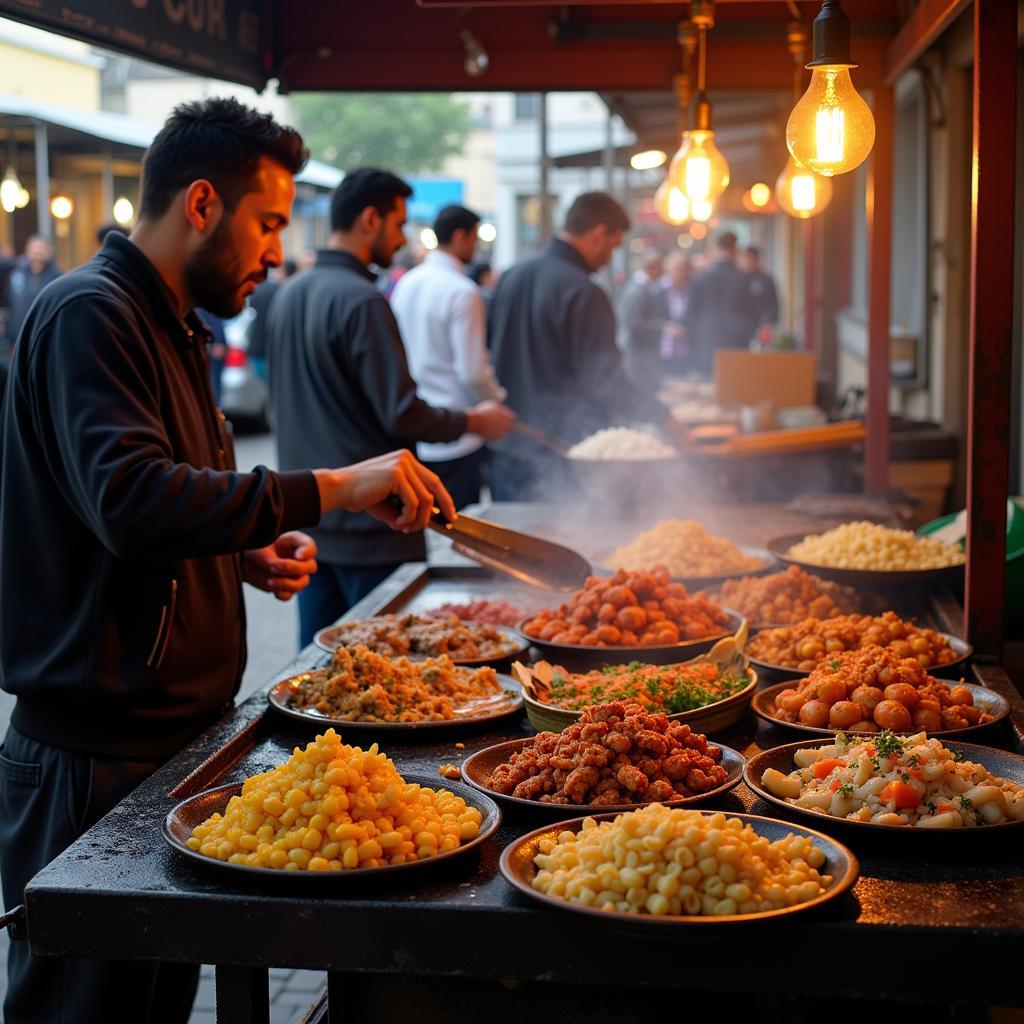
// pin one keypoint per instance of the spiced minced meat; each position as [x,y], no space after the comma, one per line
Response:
[362,686]
[616,753]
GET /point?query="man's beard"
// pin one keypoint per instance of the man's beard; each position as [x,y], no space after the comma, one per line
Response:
[212,275]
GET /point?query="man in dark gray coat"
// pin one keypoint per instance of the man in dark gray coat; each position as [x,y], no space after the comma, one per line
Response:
[553,338]
[644,316]
[720,311]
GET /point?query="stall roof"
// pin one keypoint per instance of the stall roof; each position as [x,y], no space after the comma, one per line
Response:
[119,130]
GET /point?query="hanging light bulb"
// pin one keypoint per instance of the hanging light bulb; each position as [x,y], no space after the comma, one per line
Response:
[831,130]
[800,192]
[699,170]
[670,204]
[10,192]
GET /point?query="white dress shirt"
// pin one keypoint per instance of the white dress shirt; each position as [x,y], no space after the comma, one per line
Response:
[440,313]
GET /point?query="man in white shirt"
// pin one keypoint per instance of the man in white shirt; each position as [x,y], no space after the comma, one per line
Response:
[440,312]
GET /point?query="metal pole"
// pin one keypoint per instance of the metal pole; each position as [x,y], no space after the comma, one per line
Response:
[879,211]
[44,225]
[991,327]
[107,185]
[608,156]
[545,201]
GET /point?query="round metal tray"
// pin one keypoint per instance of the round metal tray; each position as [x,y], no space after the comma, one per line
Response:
[490,709]
[332,637]
[478,768]
[582,657]
[998,762]
[988,700]
[867,578]
[183,818]
[951,670]
[519,870]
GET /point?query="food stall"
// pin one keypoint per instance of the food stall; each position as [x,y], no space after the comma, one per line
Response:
[141,885]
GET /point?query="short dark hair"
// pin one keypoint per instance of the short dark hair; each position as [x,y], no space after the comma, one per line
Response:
[726,241]
[109,228]
[451,219]
[478,271]
[220,140]
[290,267]
[590,209]
[363,187]
[752,250]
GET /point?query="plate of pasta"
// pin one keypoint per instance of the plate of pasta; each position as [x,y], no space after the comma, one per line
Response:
[915,783]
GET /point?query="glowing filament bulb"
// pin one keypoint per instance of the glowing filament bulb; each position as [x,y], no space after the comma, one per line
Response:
[830,130]
[699,170]
[801,193]
[670,204]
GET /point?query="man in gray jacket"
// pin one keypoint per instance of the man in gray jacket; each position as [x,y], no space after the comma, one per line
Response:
[553,337]
[339,382]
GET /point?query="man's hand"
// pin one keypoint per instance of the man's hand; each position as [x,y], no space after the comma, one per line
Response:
[490,419]
[282,568]
[367,486]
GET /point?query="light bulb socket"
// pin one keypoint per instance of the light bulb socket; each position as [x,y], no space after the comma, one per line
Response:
[687,36]
[702,13]
[700,113]
[831,42]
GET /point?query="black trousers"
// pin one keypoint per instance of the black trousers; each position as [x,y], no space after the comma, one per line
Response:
[48,798]
[462,477]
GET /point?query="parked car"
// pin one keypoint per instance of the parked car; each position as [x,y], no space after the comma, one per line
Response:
[244,396]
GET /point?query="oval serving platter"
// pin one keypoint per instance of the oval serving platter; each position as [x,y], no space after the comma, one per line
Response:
[988,700]
[185,816]
[478,768]
[484,709]
[519,870]
[998,762]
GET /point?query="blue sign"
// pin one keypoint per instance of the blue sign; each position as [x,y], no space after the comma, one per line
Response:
[431,195]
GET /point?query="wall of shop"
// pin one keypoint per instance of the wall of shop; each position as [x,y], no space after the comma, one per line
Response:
[48,68]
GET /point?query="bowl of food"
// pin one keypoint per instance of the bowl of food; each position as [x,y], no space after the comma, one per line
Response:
[787,597]
[865,554]
[626,617]
[913,784]
[871,689]
[709,693]
[690,553]
[784,652]
[616,756]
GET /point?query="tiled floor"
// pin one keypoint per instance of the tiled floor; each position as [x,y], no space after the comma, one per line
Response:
[272,639]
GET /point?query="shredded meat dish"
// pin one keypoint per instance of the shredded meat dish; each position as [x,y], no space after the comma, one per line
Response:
[425,635]
[617,753]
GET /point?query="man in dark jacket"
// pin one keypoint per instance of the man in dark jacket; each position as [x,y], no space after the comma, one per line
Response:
[340,387]
[126,532]
[31,273]
[720,311]
[553,337]
[763,293]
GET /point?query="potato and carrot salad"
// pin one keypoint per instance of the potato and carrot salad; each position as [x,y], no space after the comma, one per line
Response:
[912,781]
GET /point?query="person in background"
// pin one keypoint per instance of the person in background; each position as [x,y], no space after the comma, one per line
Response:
[643,320]
[441,315]
[720,311]
[764,294]
[31,273]
[259,303]
[675,289]
[340,384]
[485,277]
[553,331]
[126,531]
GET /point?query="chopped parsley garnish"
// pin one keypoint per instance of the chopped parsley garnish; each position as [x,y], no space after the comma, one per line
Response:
[846,789]
[904,777]
[931,807]
[888,744]
[966,803]
[957,756]
[834,663]
[913,760]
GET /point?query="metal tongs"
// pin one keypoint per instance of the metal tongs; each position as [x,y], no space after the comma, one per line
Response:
[538,436]
[541,563]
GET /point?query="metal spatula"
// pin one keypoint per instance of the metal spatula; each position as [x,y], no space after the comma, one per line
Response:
[540,563]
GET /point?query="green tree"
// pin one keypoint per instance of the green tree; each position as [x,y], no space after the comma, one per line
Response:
[409,133]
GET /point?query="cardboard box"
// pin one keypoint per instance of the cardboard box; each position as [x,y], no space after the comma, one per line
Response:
[745,378]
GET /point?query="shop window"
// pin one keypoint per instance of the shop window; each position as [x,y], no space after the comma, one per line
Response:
[527,106]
